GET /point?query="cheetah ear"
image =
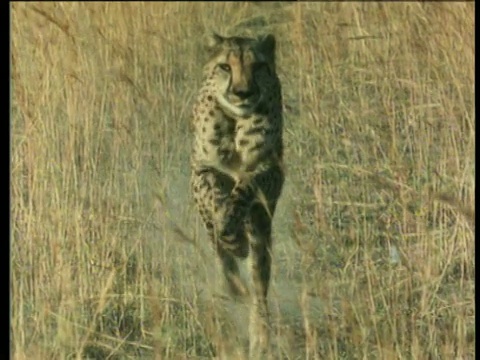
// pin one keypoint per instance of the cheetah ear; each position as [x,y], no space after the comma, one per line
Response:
[213,40]
[267,45]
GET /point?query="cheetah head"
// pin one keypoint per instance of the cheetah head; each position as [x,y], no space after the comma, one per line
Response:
[240,68]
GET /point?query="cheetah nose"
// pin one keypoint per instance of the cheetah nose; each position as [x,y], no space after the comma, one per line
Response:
[242,93]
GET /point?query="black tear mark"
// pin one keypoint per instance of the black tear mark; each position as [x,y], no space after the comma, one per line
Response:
[214,142]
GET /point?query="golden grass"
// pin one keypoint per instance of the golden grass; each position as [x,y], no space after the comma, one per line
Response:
[380,136]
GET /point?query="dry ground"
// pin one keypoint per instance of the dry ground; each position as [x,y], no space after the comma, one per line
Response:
[374,235]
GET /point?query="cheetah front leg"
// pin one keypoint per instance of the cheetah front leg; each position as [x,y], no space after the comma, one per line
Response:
[235,208]
[210,192]
[259,231]
[236,287]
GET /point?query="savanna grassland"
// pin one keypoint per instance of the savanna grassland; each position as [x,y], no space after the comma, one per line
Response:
[374,234]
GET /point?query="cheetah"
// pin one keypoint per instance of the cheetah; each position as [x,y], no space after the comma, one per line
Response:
[237,162]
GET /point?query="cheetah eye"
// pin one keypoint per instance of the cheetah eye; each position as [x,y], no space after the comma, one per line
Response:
[225,67]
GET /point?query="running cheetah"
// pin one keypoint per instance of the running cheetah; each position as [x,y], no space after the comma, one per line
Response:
[237,169]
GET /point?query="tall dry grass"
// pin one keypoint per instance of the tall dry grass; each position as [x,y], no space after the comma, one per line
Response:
[380,135]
